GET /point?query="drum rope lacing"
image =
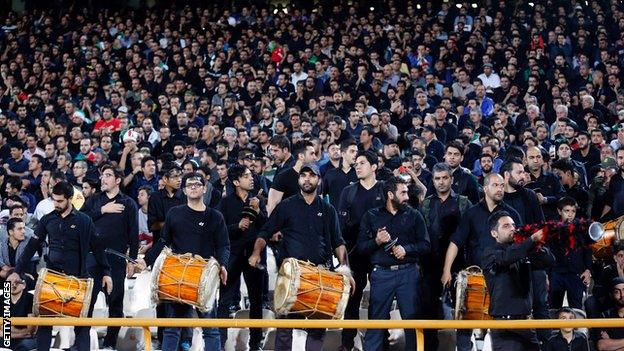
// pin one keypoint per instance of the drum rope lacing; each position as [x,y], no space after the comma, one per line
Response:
[64,299]
[317,286]
[189,262]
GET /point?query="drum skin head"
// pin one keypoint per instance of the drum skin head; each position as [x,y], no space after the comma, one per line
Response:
[286,286]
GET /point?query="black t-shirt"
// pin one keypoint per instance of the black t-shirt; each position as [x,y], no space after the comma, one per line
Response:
[287,182]
[23,306]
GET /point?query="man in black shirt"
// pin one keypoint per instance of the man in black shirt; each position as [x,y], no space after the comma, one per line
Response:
[244,216]
[157,208]
[545,184]
[464,183]
[310,232]
[336,179]
[473,235]
[442,212]
[117,227]
[162,201]
[285,183]
[507,272]
[613,338]
[22,337]
[355,200]
[70,235]
[396,272]
[199,230]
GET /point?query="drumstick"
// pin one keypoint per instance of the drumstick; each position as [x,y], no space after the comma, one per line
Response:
[119,254]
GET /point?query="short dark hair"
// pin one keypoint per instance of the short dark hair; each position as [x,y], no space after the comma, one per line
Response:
[508,165]
[566,201]
[563,165]
[281,141]
[12,222]
[169,168]
[236,172]
[148,189]
[494,217]
[370,156]
[456,145]
[116,171]
[566,309]
[300,147]
[344,145]
[63,188]
[147,158]
[392,184]
[441,167]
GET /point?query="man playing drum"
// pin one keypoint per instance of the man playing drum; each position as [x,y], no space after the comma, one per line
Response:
[311,232]
[196,229]
[71,235]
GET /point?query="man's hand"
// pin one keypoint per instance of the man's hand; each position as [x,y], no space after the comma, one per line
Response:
[130,269]
[382,236]
[586,277]
[223,275]
[244,224]
[112,207]
[541,198]
[140,264]
[352,283]
[254,203]
[277,236]
[253,260]
[398,251]
[446,278]
[538,236]
[5,271]
[107,283]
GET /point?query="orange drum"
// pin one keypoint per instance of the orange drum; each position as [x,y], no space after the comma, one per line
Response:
[187,279]
[60,295]
[313,292]
[609,233]
[473,300]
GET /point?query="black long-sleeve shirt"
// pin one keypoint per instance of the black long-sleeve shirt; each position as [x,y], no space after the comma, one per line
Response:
[335,180]
[118,231]
[507,271]
[558,343]
[203,233]
[474,233]
[310,231]
[231,208]
[525,202]
[408,226]
[70,240]
[159,204]
[549,186]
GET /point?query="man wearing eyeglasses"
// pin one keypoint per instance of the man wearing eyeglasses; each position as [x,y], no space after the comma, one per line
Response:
[116,225]
[200,230]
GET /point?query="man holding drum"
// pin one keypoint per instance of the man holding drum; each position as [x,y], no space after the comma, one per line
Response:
[71,235]
[311,232]
[197,229]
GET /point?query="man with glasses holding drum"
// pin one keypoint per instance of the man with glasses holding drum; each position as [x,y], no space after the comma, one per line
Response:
[71,236]
[311,232]
[199,230]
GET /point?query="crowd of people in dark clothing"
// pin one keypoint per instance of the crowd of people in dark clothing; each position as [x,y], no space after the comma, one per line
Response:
[492,114]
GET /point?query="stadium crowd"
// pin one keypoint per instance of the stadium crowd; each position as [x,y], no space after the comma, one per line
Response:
[486,112]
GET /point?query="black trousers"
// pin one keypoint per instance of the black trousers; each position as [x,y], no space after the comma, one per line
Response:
[431,291]
[114,300]
[228,294]
[541,306]
[359,266]
[514,340]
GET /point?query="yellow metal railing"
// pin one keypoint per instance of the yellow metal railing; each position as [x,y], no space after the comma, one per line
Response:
[418,325]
